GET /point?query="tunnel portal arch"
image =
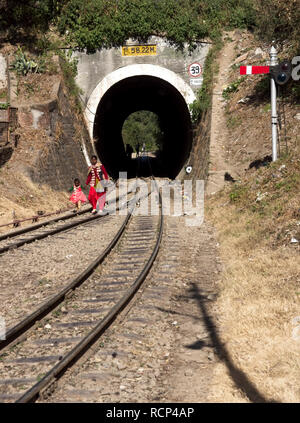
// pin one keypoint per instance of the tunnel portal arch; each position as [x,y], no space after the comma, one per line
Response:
[141,87]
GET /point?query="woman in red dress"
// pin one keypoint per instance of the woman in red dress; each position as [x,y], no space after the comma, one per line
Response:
[97,193]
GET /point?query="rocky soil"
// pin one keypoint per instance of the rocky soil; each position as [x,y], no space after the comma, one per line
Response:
[39,270]
[162,348]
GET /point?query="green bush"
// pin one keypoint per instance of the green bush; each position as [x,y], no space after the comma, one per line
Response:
[95,24]
[203,101]
[233,122]
[238,192]
[31,15]
[4,106]
[69,69]
[232,88]
[23,66]
[242,14]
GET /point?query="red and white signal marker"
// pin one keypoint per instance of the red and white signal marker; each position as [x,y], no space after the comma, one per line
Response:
[254,70]
[279,73]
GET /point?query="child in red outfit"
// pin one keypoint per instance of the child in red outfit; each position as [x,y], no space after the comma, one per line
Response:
[77,196]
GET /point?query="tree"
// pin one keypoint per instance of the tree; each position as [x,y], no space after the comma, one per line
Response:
[30,14]
[143,127]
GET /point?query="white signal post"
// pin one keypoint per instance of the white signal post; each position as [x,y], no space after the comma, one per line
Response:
[250,70]
[274,116]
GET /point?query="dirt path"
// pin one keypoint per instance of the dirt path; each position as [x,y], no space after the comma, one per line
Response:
[219,130]
[193,356]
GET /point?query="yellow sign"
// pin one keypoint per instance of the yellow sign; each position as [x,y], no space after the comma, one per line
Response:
[149,50]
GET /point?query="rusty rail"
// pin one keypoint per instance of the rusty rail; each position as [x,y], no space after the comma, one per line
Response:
[35,218]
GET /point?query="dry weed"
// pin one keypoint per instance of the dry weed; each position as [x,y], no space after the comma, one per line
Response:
[259,296]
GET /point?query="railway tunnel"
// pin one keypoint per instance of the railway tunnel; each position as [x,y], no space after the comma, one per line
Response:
[117,99]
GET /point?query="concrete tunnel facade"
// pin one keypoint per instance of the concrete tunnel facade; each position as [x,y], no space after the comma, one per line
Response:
[141,87]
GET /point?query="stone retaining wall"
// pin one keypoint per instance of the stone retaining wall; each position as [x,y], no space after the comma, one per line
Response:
[199,155]
[63,160]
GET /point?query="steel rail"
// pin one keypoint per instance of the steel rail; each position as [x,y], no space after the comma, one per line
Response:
[59,369]
[30,228]
[50,232]
[16,331]
[19,329]
[35,218]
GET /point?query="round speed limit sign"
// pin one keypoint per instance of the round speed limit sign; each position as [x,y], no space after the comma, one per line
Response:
[195,70]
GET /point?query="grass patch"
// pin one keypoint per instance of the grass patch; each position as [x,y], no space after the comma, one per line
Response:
[69,69]
[232,88]
[258,293]
[267,108]
[3,93]
[204,95]
[238,192]
[233,122]
[4,106]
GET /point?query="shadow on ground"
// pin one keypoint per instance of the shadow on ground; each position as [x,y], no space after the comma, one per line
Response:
[240,379]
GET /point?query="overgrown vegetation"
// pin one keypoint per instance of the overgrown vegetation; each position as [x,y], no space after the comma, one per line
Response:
[28,66]
[232,88]
[278,20]
[270,197]
[95,24]
[257,222]
[24,19]
[109,23]
[69,68]
[233,122]
[203,101]
[4,106]
[22,65]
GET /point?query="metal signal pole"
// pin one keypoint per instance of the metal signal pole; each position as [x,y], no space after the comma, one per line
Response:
[280,74]
[274,117]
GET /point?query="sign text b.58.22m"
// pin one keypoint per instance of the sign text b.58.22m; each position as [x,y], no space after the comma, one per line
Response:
[145,50]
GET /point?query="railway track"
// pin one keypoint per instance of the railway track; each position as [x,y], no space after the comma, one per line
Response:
[50,298]
[71,324]
[14,239]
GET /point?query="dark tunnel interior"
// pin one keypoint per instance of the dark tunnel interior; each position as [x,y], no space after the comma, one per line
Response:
[143,93]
